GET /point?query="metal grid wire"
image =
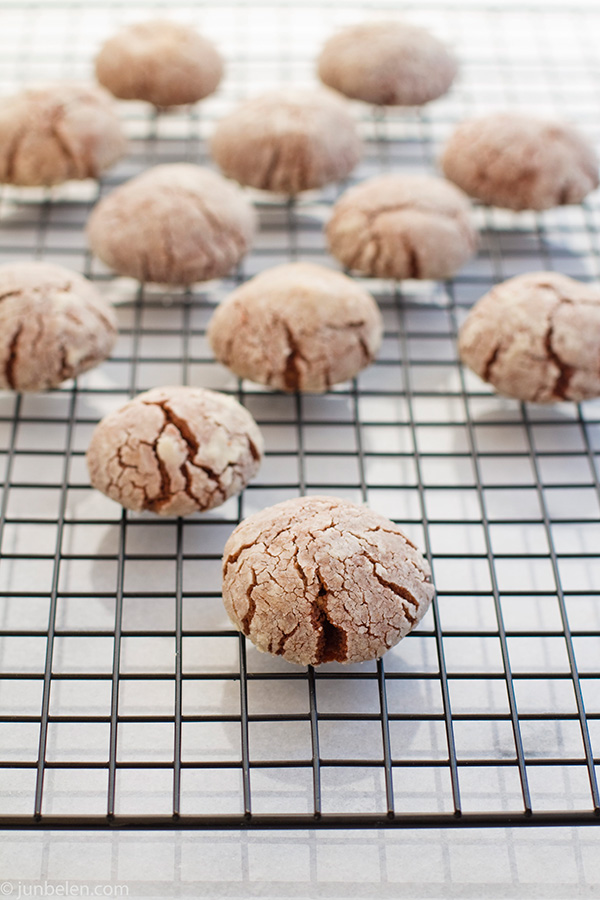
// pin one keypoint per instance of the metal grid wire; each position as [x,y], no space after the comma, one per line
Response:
[125,696]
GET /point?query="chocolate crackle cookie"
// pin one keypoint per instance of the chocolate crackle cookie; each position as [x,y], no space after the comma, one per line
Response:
[54,325]
[521,162]
[536,337]
[402,226]
[319,579]
[175,451]
[173,224]
[288,141]
[50,135]
[160,61]
[387,63]
[297,327]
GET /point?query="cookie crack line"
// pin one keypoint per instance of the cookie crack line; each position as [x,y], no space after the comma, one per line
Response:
[57,115]
[246,622]
[399,591]
[192,445]
[11,359]
[565,371]
[487,372]
[332,643]
[13,153]
[291,371]
[270,168]
[284,640]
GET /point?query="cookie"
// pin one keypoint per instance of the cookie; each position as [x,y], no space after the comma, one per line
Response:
[536,337]
[319,579]
[288,141]
[175,451]
[297,327]
[402,226]
[387,63]
[54,325]
[173,224]
[163,62]
[521,162]
[53,134]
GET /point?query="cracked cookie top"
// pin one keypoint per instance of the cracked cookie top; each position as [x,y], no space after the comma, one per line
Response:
[288,141]
[520,162]
[174,224]
[163,62]
[50,135]
[320,579]
[54,325]
[297,327]
[536,337]
[402,226]
[387,63]
[175,451]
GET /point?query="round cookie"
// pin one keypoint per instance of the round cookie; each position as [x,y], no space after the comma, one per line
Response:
[173,224]
[319,579]
[387,63]
[288,141]
[536,337]
[163,62]
[402,226]
[297,327]
[50,135]
[53,326]
[175,451]
[520,162]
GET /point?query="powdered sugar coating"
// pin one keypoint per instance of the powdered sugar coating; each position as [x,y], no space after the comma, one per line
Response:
[175,451]
[402,226]
[387,63]
[319,579]
[163,62]
[173,224]
[297,327]
[520,162]
[53,134]
[54,325]
[536,337]
[288,141]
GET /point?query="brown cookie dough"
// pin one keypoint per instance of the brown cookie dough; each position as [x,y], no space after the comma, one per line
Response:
[175,451]
[387,63]
[163,62]
[297,327]
[402,226]
[50,135]
[319,579]
[53,325]
[173,224]
[520,162]
[288,141]
[536,337]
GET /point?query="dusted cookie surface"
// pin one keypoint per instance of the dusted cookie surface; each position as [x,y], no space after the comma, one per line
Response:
[387,63]
[536,337]
[297,327]
[402,226]
[173,224]
[520,162]
[288,141]
[319,579]
[163,62]
[175,451]
[53,325]
[50,135]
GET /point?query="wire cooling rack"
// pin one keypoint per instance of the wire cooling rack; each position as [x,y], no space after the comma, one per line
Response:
[125,696]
